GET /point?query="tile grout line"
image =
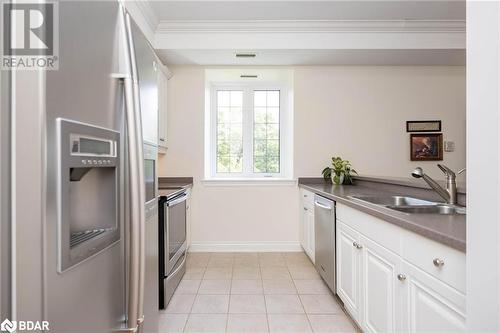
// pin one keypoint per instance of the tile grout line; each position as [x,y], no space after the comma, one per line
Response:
[196,295]
[300,299]
[264,294]
[230,293]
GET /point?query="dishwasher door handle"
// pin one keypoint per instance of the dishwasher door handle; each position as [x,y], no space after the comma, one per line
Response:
[322,206]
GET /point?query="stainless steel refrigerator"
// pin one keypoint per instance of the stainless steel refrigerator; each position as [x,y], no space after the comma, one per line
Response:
[98,243]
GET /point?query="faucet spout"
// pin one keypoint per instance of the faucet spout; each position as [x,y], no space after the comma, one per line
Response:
[436,187]
[450,193]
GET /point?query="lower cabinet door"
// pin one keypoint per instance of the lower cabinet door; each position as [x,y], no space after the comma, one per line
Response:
[432,306]
[311,244]
[348,269]
[304,228]
[381,288]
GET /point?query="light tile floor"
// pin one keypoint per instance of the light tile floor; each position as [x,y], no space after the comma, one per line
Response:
[252,292]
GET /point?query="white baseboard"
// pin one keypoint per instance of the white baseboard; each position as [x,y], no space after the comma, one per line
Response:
[245,247]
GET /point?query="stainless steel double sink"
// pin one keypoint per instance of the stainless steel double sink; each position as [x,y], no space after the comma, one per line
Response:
[411,205]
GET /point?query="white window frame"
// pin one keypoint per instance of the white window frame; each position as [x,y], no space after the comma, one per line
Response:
[248,122]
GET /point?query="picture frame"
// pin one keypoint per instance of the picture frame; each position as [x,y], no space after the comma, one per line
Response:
[423,126]
[426,147]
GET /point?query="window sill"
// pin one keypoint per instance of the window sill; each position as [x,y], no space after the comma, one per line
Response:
[249,182]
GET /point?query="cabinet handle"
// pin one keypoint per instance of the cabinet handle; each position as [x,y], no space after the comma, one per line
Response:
[401,277]
[305,209]
[162,140]
[438,262]
[356,245]
[305,195]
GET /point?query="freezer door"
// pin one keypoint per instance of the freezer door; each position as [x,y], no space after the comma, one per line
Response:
[151,292]
[5,287]
[89,296]
[148,85]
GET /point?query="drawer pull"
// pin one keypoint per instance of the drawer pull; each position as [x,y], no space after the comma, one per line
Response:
[356,245]
[438,262]
[401,277]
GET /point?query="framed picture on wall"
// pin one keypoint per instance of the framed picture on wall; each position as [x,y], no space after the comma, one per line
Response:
[426,147]
[423,126]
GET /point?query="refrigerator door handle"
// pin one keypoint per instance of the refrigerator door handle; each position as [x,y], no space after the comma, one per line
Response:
[134,244]
[136,205]
[139,161]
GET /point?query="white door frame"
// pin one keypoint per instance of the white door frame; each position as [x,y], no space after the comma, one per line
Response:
[483,166]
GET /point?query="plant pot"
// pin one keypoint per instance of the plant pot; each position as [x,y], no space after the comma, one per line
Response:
[337,179]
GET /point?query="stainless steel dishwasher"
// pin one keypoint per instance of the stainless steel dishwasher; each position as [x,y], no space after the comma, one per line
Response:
[324,229]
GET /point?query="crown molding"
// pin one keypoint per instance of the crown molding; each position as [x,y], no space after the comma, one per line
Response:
[149,15]
[329,34]
[144,16]
[310,26]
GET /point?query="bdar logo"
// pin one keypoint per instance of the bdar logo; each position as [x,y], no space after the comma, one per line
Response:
[8,326]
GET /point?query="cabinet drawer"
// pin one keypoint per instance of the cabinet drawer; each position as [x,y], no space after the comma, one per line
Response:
[382,232]
[307,198]
[442,262]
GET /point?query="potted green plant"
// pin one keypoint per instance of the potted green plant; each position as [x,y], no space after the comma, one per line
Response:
[340,171]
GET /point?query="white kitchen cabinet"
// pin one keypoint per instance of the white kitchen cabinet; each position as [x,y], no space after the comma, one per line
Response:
[429,304]
[308,231]
[391,284]
[380,284]
[348,269]
[163,76]
[307,223]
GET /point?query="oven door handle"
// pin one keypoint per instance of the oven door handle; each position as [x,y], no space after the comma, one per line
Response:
[178,200]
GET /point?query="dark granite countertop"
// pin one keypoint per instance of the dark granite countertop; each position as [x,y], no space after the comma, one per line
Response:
[449,230]
[174,182]
[171,186]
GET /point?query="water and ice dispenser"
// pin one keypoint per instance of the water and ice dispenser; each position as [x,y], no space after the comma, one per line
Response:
[88,191]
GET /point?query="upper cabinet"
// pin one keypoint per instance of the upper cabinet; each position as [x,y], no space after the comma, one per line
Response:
[147,69]
[163,76]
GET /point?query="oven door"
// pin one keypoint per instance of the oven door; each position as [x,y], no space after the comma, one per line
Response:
[175,231]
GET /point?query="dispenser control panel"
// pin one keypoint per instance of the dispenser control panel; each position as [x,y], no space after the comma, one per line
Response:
[90,146]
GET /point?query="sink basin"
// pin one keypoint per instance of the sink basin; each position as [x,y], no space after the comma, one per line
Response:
[434,209]
[393,200]
[411,205]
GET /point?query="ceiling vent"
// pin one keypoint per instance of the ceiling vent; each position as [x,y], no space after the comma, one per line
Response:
[246,76]
[246,55]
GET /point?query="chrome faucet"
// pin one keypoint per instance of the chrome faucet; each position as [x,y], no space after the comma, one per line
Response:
[450,193]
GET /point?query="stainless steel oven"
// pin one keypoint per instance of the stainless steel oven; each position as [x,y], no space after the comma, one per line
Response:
[175,231]
[172,241]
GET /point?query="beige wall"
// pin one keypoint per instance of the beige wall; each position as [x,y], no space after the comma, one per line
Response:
[265,217]
[356,112]
[360,113]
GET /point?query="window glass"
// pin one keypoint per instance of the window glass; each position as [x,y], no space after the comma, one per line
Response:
[229,131]
[266,131]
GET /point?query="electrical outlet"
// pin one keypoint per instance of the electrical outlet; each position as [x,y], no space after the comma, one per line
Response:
[449,146]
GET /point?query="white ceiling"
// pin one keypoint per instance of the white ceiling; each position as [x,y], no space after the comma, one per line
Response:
[315,57]
[284,32]
[309,10]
